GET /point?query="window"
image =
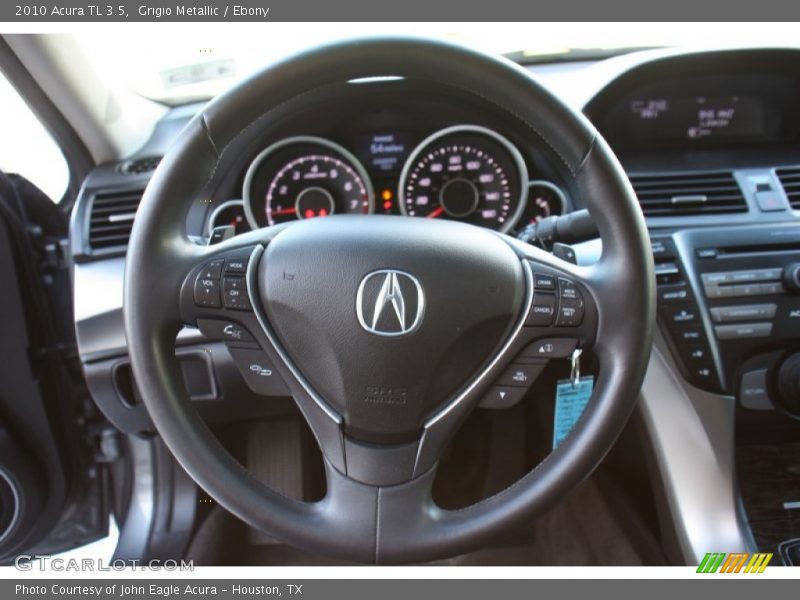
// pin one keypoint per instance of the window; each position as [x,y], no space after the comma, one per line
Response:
[26,146]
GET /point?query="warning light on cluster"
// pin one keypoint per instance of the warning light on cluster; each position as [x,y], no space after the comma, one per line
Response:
[387,195]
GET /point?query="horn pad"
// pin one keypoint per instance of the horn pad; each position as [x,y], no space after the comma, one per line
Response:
[388,317]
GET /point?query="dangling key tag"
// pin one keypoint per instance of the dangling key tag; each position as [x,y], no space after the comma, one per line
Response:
[575,367]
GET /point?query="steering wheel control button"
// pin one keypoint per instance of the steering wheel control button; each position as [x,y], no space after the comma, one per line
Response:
[570,312]
[543,282]
[502,396]
[550,348]
[234,283]
[542,310]
[520,375]
[258,372]
[663,248]
[207,292]
[236,265]
[212,270]
[236,299]
[227,331]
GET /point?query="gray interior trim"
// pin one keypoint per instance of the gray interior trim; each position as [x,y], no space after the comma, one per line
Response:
[692,434]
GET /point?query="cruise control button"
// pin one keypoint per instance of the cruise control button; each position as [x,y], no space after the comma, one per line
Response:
[570,313]
[544,282]
[258,372]
[568,289]
[520,375]
[223,330]
[500,396]
[542,310]
[236,265]
[206,292]
[550,348]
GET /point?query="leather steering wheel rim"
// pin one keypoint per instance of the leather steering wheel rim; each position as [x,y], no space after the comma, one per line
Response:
[387,523]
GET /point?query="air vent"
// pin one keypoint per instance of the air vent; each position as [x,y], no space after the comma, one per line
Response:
[790,180]
[683,194]
[138,166]
[111,218]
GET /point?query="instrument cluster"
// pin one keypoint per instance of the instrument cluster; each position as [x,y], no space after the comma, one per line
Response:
[466,173]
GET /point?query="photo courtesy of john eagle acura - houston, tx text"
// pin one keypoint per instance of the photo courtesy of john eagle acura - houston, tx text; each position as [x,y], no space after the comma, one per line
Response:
[497,294]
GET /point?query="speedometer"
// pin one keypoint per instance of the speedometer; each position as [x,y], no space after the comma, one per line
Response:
[303,178]
[467,173]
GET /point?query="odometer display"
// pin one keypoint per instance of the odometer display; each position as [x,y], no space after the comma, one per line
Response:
[466,173]
[303,178]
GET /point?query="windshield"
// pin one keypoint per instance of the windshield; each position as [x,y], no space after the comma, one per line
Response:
[176,64]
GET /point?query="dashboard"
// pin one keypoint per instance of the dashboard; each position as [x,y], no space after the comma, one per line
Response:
[710,142]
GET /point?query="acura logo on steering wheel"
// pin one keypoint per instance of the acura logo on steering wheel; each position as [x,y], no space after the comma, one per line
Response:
[390,303]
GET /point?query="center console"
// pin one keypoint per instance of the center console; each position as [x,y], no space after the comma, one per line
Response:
[730,300]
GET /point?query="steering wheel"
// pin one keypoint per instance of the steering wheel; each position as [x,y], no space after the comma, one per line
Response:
[388,330]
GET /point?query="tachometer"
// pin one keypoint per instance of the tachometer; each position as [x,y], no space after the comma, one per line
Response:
[468,173]
[302,178]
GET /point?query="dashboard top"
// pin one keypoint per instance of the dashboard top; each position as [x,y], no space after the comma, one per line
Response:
[705,138]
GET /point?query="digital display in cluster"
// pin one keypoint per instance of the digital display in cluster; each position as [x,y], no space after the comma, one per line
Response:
[384,152]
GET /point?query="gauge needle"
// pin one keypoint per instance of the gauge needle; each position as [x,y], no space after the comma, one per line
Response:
[283,211]
[435,212]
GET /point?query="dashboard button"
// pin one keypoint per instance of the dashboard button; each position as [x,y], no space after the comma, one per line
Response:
[501,396]
[674,294]
[702,372]
[753,391]
[743,312]
[689,334]
[206,292]
[550,348]
[682,315]
[520,375]
[770,201]
[542,310]
[544,282]
[696,354]
[258,372]
[715,292]
[570,312]
[224,330]
[743,330]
